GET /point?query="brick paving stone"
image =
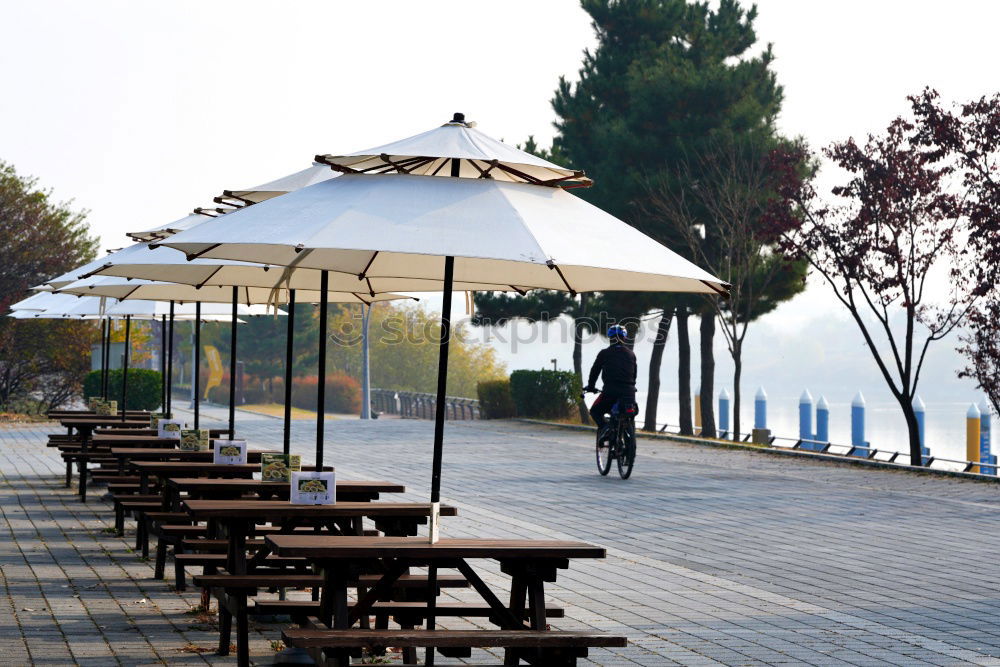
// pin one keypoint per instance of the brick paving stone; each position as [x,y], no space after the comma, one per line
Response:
[715,556]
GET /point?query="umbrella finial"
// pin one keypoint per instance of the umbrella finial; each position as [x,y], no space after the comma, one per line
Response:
[459,117]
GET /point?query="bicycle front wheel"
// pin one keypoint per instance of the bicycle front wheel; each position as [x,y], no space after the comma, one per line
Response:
[604,452]
[626,456]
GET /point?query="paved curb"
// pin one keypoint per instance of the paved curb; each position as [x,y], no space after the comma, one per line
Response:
[793,453]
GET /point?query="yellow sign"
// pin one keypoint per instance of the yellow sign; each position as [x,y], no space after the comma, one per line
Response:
[214,368]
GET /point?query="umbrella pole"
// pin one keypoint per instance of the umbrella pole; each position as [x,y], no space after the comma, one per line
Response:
[163,363]
[107,363]
[232,369]
[366,377]
[128,328]
[442,389]
[105,332]
[289,348]
[195,375]
[170,364]
[324,283]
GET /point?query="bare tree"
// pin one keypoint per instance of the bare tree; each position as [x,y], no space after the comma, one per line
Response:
[732,185]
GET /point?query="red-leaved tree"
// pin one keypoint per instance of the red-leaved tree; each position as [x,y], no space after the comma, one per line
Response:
[892,245]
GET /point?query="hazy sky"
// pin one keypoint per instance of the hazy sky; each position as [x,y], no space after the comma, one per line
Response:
[140,111]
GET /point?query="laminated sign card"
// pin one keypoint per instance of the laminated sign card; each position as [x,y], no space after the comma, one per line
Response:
[230,452]
[107,408]
[313,488]
[169,428]
[194,440]
[155,417]
[279,467]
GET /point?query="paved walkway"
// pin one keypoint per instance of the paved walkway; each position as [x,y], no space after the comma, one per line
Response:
[715,556]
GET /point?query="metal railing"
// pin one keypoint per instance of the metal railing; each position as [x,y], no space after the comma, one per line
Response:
[417,405]
[987,470]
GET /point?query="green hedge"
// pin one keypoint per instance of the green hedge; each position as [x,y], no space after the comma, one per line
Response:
[495,400]
[545,394]
[144,387]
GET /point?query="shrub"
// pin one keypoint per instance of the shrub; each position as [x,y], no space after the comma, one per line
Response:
[495,400]
[144,387]
[343,393]
[546,394]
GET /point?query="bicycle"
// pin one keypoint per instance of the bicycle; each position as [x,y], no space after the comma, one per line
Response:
[617,441]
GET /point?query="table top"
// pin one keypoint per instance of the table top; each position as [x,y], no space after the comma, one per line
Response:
[194,484]
[102,421]
[166,453]
[258,509]
[195,467]
[327,547]
[139,433]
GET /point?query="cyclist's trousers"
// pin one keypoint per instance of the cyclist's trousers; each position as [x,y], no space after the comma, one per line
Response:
[602,406]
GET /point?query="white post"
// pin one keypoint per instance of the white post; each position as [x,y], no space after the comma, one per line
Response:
[366,379]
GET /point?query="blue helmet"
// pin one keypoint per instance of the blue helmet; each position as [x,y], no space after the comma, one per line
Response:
[617,331]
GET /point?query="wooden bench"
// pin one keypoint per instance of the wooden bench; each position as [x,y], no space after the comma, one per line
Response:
[409,613]
[541,647]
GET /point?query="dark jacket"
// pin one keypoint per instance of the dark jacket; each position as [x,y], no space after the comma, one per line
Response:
[617,367]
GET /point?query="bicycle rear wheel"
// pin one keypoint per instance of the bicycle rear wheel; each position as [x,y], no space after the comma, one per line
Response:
[604,451]
[626,456]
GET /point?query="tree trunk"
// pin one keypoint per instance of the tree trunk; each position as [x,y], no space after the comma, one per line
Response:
[684,372]
[655,359]
[912,430]
[707,337]
[737,395]
[578,356]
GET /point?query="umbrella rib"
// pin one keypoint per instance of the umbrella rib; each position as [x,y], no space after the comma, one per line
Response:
[210,276]
[371,290]
[519,291]
[444,161]
[358,297]
[520,174]
[100,268]
[720,292]
[364,271]
[325,159]
[553,265]
[200,252]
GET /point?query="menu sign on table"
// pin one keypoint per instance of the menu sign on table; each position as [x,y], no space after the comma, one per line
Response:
[279,467]
[106,408]
[92,403]
[169,428]
[313,488]
[194,440]
[155,417]
[230,452]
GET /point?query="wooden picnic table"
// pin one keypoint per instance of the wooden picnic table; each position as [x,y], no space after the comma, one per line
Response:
[212,432]
[165,469]
[112,439]
[230,489]
[85,426]
[238,518]
[126,455]
[529,563]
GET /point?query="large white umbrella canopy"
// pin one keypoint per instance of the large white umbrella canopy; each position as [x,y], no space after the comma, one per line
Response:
[166,264]
[316,173]
[478,156]
[163,231]
[43,301]
[395,230]
[123,288]
[91,306]
[492,220]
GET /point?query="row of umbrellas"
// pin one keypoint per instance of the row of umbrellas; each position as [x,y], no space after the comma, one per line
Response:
[449,209]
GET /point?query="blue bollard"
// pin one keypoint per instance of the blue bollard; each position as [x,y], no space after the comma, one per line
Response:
[985,426]
[760,409]
[858,425]
[723,413]
[919,409]
[806,420]
[822,421]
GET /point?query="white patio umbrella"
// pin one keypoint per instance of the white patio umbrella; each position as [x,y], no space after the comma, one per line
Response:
[122,288]
[478,226]
[279,186]
[163,231]
[42,301]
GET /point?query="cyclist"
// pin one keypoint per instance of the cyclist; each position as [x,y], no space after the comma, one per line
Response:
[617,367]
